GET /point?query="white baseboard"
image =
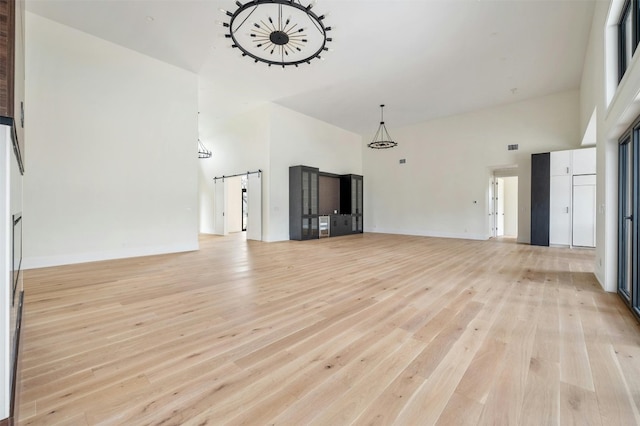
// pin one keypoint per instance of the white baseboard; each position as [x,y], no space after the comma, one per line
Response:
[600,279]
[428,233]
[69,259]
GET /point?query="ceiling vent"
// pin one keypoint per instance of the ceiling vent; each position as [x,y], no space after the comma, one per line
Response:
[513,147]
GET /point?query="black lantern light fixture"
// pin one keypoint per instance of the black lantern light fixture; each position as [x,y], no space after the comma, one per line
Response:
[278,32]
[382,140]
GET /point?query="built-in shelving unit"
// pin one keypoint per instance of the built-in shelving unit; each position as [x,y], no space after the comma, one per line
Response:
[324,204]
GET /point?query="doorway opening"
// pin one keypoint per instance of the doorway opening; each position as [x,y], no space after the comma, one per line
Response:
[245,214]
[503,204]
[238,204]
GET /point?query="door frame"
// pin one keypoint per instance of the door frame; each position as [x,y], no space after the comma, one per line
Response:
[629,202]
[254,206]
[242,209]
[495,173]
[220,207]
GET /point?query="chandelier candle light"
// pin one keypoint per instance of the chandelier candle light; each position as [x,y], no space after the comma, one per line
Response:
[382,140]
[277,32]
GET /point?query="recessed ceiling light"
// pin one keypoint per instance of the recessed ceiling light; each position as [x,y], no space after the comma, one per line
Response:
[150,18]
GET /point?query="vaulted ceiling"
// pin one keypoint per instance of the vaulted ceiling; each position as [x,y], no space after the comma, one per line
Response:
[422,58]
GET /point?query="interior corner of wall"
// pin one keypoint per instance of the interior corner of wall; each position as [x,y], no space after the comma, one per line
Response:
[598,274]
[590,132]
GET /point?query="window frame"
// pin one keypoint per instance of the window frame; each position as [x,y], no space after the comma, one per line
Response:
[630,7]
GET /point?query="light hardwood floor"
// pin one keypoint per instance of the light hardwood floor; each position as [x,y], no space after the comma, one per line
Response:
[365,329]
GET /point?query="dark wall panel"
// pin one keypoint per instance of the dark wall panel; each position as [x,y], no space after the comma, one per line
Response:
[540,193]
[329,195]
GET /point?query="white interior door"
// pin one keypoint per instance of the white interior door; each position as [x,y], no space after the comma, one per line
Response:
[499,207]
[233,211]
[220,207]
[492,206]
[560,211]
[584,211]
[254,207]
[510,206]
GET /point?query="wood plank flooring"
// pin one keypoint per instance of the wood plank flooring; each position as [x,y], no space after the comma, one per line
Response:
[365,329]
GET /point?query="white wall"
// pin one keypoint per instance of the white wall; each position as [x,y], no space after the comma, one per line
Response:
[239,145]
[616,107]
[510,206]
[442,190]
[112,150]
[592,97]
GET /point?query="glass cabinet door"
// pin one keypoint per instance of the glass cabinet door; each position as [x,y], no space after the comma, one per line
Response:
[315,227]
[354,195]
[310,223]
[359,203]
[313,191]
[306,193]
[359,196]
[303,202]
[356,204]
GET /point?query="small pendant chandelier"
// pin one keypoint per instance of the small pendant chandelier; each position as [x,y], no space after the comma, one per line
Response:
[203,152]
[382,140]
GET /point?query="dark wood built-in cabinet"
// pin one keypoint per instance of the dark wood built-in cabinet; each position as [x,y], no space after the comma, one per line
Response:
[12,73]
[341,224]
[313,194]
[7,57]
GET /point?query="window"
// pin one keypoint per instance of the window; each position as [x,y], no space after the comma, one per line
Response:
[628,35]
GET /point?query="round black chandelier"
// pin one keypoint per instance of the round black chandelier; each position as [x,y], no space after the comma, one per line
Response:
[277,32]
[382,139]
